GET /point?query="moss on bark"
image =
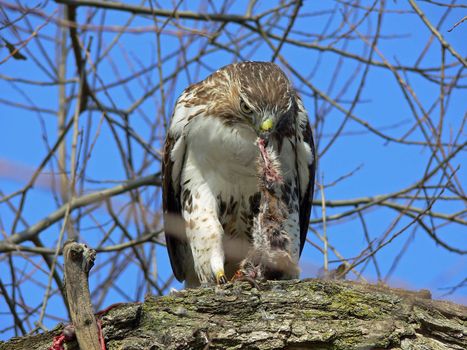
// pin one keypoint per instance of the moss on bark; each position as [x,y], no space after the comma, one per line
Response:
[318,314]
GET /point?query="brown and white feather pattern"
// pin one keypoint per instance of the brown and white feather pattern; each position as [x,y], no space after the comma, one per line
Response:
[210,187]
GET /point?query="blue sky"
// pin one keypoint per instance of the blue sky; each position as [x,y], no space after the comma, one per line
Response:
[382,167]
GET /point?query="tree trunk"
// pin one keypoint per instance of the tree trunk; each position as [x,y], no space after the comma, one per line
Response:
[316,314]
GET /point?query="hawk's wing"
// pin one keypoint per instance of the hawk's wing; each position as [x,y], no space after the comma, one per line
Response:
[307,199]
[305,168]
[176,244]
[172,165]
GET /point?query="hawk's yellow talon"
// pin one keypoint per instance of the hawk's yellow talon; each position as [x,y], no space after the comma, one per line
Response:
[220,278]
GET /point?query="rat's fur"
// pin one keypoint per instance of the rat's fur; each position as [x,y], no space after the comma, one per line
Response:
[270,256]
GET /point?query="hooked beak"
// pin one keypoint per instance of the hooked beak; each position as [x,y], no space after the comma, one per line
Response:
[265,128]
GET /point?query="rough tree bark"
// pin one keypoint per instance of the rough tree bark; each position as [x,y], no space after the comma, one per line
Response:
[317,314]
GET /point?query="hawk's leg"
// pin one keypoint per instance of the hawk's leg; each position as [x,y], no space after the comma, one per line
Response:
[204,232]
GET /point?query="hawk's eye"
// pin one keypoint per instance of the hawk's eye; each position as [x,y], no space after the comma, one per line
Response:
[245,108]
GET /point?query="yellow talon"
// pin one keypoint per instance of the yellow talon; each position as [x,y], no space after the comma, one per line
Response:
[220,278]
[266,125]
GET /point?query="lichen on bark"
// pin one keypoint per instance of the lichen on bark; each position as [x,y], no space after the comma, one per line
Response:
[317,314]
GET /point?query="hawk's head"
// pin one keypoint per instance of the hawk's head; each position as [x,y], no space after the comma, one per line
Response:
[257,95]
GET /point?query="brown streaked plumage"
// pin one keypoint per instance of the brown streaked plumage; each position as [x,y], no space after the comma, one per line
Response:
[210,187]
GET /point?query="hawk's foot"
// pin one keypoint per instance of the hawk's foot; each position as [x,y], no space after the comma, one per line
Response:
[220,278]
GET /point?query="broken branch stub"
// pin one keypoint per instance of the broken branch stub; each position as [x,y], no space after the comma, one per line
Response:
[79,260]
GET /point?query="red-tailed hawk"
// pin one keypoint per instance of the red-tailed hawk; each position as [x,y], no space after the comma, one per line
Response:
[210,181]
